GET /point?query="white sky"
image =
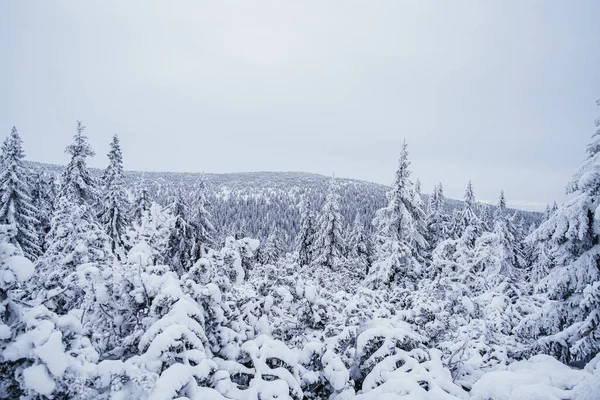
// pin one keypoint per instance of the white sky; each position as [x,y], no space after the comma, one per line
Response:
[502,93]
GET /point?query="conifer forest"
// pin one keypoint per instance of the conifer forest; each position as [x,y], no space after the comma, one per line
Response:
[124,285]
[299,200]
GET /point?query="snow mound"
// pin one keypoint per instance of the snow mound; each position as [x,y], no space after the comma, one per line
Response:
[539,378]
[37,379]
[21,267]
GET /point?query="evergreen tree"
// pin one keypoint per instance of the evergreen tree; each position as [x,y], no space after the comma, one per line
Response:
[437,220]
[201,222]
[43,195]
[467,216]
[306,237]
[16,205]
[77,185]
[359,248]
[141,205]
[114,201]
[500,211]
[546,214]
[485,217]
[75,236]
[181,237]
[273,248]
[570,329]
[398,233]
[329,242]
[499,254]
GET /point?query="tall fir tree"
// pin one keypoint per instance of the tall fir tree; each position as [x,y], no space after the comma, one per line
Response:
[486,217]
[329,242]
[307,236]
[500,211]
[200,220]
[43,196]
[437,220]
[399,238]
[16,205]
[141,204]
[75,236]
[570,328]
[77,185]
[467,216]
[500,254]
[273,248]
[181,237]
[359,248]
[114,205]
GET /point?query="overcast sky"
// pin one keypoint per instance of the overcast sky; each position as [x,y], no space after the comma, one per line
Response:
[499,92]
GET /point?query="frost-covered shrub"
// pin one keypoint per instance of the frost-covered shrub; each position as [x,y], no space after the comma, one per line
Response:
[380,339]
[415,374]
[263,369]
[49,356]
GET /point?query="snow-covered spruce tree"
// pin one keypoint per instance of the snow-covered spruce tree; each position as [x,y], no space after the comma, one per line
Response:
[420,215]
[200,220]
[399,234]
[273,248]
[173,342]
[75,236]
[37,347]
[570,329]
[306,237]
[546,214]
[113,215]
[329,242]
[16,205]
[359,256]
[140,205]
[181,237]
[43,195]
[14,270]
[467,216]
[76,183]
[486,217]
[154,229]
[499,254]
[437,220]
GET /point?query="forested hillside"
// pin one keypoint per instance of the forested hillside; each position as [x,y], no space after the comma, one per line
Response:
[117,285]
[257,203]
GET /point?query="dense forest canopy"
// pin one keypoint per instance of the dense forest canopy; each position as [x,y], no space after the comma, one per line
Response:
[123,285]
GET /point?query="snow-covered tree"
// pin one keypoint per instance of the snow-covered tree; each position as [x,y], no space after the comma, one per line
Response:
[75,236]
[437,220]
[273,248]
[16,205]
[570,329]
[141,204]
[399,230]
[467,216]
[486,217]
[499,254]
[154,229]
[329,242]
[359,255]
[113,215]
[200,220]
[181,237]
[77,185]
[306,237]
[500,211]
[43,195]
